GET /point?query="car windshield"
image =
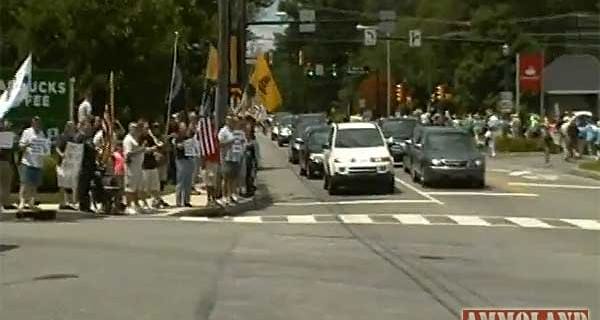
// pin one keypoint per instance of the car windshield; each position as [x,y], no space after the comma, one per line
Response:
[455,142]
[398,129]
[358,138]
[317,139]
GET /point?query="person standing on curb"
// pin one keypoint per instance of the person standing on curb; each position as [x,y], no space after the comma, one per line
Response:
[6,170]
[87,175]
[547,141]
[133,151]
[228,161]
[32,163]
[184,165]
[68,135]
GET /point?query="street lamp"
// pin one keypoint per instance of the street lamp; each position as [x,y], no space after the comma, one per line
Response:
[506,53]
[388,97]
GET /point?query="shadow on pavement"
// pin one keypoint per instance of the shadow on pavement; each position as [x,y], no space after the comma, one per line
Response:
[7,247]
[49,216]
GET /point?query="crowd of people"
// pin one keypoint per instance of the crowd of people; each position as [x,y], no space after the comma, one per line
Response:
[130,168]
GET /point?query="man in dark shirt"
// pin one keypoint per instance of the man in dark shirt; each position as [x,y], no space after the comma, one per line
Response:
[150,173]
[87,175]
[7,165]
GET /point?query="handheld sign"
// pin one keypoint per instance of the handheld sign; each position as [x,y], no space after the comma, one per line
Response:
[7,139]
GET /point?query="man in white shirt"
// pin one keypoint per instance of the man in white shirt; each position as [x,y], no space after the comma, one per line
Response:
[35,147]
[134,158]
[84,111]
[228,163]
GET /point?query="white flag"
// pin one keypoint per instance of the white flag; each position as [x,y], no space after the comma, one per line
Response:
[18,89]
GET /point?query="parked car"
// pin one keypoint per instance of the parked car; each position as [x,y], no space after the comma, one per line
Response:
[275,119]
[301,122]
[283,129]
[311,150]
[355,155]
[397,132]
[443,153]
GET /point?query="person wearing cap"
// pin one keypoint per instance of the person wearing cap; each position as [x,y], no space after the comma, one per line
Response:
[32,162]
[133,151]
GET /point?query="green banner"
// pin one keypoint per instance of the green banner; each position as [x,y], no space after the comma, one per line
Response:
[48,98]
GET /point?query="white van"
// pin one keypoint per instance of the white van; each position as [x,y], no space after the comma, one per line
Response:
[357,154]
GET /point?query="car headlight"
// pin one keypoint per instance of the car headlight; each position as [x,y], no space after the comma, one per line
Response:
[383,168]
[436,162]
[381,159]
[478,162]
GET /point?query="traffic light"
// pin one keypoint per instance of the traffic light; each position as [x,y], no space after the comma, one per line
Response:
[439,93]
[309,70]
[400,96]
[334,72]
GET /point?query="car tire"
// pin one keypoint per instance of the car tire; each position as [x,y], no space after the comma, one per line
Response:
[480,183]
[280,143]
[414,175]
[404,166]
[391,188]
[302,171]
[325,182]
[333,188]
[309,173]
[425,179]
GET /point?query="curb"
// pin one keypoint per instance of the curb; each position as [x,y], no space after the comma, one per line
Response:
[585,173]
[50,215]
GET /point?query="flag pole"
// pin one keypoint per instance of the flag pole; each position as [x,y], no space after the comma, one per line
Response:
[542,95]
[517,83]
[172,83]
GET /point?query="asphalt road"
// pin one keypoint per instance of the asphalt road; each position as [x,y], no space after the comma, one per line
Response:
[417,254]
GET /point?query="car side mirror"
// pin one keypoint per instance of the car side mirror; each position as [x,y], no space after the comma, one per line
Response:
[299,141]
[418,145]
[326,146]
[408,141]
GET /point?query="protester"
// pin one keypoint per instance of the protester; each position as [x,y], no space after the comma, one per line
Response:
[251,156]
[151,176]
[547,141]
[590,136]
[68,135]
[118,160]
[162,159]
[32,143]
[84,111]
[88,172]
[184,164]
[6,170]
[193,128]
[211,175]
[133,151]
[229,161]
[493,127]
[571,140]
[238,150]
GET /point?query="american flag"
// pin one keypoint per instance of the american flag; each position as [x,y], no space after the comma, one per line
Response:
[207,135]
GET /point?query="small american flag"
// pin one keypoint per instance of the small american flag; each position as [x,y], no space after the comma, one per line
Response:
[207,135]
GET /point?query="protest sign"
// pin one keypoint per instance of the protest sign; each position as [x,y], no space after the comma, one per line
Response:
[40,146]
[189,148]
[67,174]
[7,139]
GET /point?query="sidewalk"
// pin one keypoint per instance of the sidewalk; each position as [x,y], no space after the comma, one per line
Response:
[535,161]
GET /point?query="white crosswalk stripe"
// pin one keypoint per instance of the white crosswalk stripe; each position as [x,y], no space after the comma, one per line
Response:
[469,220]
[529,222]
[355,218]
[301,219]
[583,223]
[411,219]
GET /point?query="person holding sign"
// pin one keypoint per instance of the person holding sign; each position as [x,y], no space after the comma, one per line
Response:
[35,147]
[230,159]
[7,142]
[67,136]
[185,151]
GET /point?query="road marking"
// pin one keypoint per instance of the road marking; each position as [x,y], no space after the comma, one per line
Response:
[349,202]
[557,186]
[528,222]
[411,219]
[194,219]
[355,218]
[469,220]
[301,219]
[487,194]
[249,219]
[519,173]
[583,223]
[425,195]
[499,170]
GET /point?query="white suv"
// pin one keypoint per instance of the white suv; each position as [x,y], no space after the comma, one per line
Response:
[355,154]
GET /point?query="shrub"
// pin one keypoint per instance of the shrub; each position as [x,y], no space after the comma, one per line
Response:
[520,144]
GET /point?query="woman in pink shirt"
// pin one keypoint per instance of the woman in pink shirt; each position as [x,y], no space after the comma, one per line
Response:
[119,169]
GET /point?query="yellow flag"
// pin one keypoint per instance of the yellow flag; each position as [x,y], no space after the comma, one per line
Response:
[266,88]
[212,66]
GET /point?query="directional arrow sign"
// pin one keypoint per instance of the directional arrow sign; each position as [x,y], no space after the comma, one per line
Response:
[370,37]
[414,38]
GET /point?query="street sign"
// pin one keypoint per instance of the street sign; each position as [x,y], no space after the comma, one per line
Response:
[414,38]
[370,37]
[357,70]
[505,104]
[48,98]
[388,21]
[319,70]
[307,16]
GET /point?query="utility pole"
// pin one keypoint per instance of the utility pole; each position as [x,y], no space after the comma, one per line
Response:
[242,43]
[389,76]
[222,99]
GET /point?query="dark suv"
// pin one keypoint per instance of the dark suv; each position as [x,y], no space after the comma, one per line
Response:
[442,153]
[301,122]
[397,132]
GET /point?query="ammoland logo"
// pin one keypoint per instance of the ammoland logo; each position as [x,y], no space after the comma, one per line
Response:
[526,314]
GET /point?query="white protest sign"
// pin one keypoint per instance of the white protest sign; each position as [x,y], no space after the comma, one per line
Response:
[40,146]
[67,174]
[239,142]
[189,148]
[7,139]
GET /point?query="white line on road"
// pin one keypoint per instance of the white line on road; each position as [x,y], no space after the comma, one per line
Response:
[355,218]
[499,170]
[411,219]
[529,222]
[557,186]
[250,219]
[487,194]
[349,202]
[583,223]
[408,185]
[301,219]
[469,220]
[194,219]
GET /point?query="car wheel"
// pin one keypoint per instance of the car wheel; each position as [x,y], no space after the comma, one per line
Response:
[425,179]
[280,143]
[294,159]
[333,187]
[309,173]
[391,188]
[325,182]
[302,171]
[480,183]
[405,166]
